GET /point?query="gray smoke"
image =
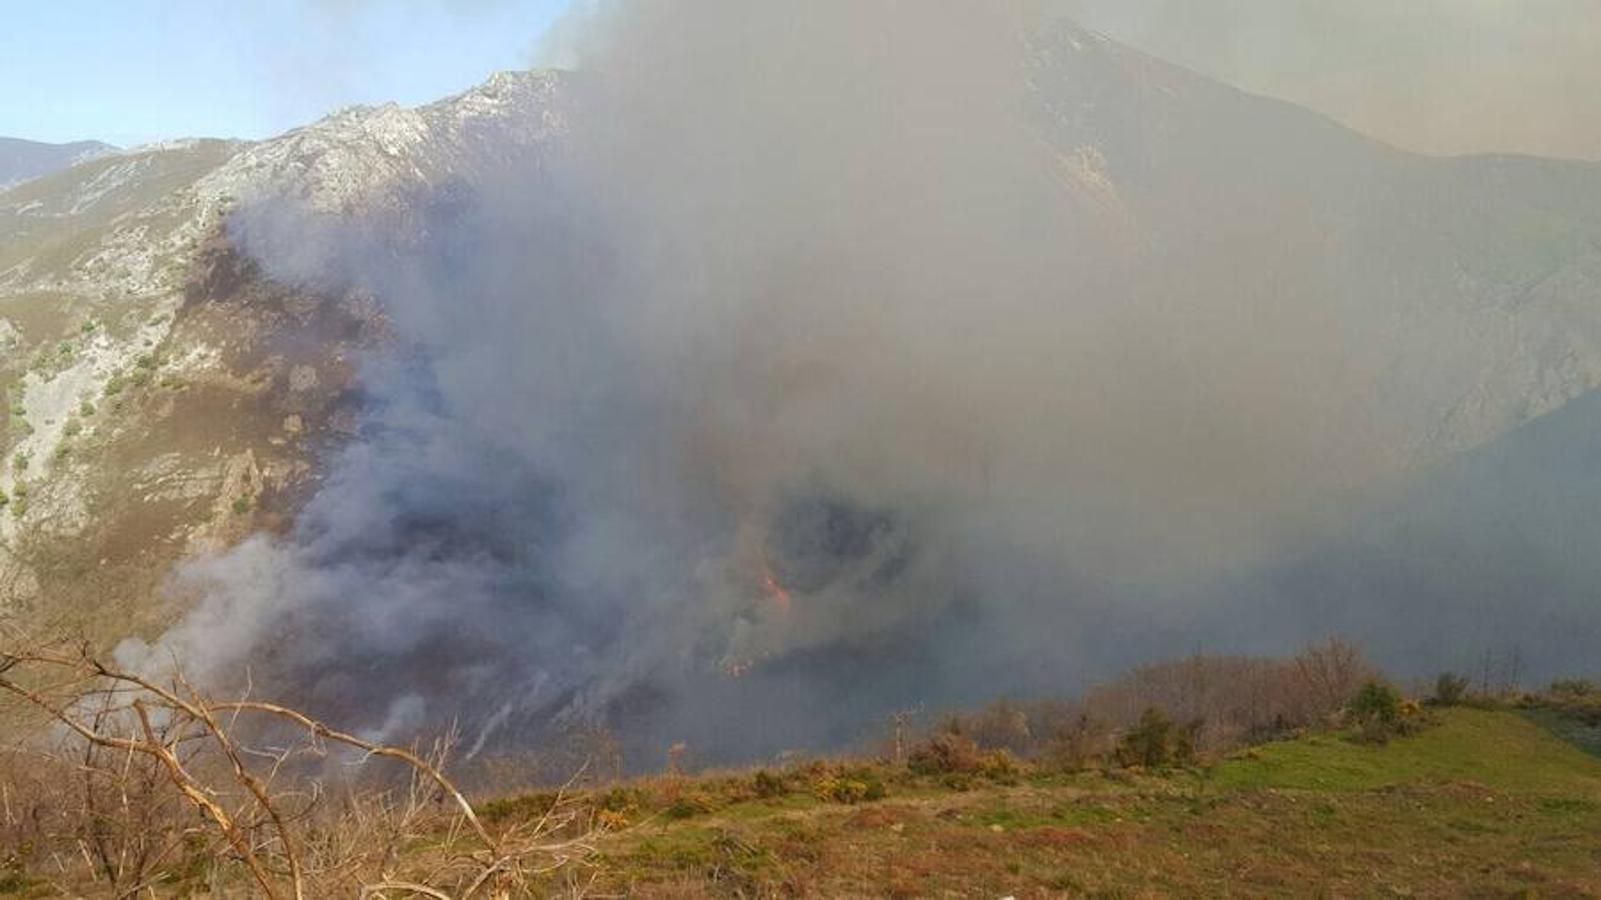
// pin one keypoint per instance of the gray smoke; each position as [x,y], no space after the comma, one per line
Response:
[807,376]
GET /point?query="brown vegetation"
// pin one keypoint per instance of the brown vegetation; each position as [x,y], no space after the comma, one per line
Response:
[132,782]
[1210,704]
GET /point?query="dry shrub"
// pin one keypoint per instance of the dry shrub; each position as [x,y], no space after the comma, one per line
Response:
[768,785]
[947,752]
[128,782]
[1222,702]
[1003,725]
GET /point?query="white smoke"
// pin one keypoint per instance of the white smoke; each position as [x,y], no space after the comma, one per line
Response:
[809,357]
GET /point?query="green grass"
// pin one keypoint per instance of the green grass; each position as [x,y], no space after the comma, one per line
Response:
[1496,749]
[1481,802]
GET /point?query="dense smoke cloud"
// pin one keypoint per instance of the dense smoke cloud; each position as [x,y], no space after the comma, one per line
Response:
[805,376]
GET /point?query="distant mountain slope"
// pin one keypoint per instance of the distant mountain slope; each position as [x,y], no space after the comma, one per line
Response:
[1491,557]
[21,160]
[1473,282]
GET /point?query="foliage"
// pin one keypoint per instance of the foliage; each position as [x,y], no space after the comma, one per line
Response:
[946,752]
[1377,701]
[1157,742]
[1376,712]
[769,785]
[861,786]
[1573,688]
[1449,689]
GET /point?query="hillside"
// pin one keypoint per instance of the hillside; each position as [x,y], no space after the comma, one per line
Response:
[23,160]
[164,398]
[1452,544]
[1486,802]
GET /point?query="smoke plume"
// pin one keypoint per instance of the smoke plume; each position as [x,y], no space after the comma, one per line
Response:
[805,376]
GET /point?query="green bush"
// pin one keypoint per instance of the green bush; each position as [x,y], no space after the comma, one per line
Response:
[1376,702]
[1150,743]
[1449,689]
[1376,712]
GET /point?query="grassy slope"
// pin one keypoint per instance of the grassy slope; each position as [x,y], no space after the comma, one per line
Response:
[1484,802]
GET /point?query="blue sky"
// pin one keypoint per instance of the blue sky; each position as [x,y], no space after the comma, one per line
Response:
[133,71]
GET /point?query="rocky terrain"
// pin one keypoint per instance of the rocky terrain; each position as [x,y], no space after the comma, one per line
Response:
[163,397]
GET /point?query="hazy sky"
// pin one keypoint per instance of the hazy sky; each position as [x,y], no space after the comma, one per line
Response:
[1442,76]
[1439,76]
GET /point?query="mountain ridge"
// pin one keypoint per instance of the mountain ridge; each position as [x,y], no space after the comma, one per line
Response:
[23,160]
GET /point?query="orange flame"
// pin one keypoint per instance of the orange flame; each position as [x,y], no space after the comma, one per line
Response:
[781,598]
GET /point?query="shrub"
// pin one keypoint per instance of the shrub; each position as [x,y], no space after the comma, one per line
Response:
[691,805]
[849,788]
[1378,712]
[1001,725]
[1376,702]
[958,781]
[1001,766]
[944,753]
[1572,688]
[1449,689]
[622,799]
[1150,742]
[1075,741]
[768,785]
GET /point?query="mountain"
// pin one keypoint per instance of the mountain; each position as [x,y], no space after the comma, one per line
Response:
[163,396]
[1474,278]
[1485,564]
[168,396]
[21,160]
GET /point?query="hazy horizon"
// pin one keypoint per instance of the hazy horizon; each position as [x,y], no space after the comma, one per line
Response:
[1436,78]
